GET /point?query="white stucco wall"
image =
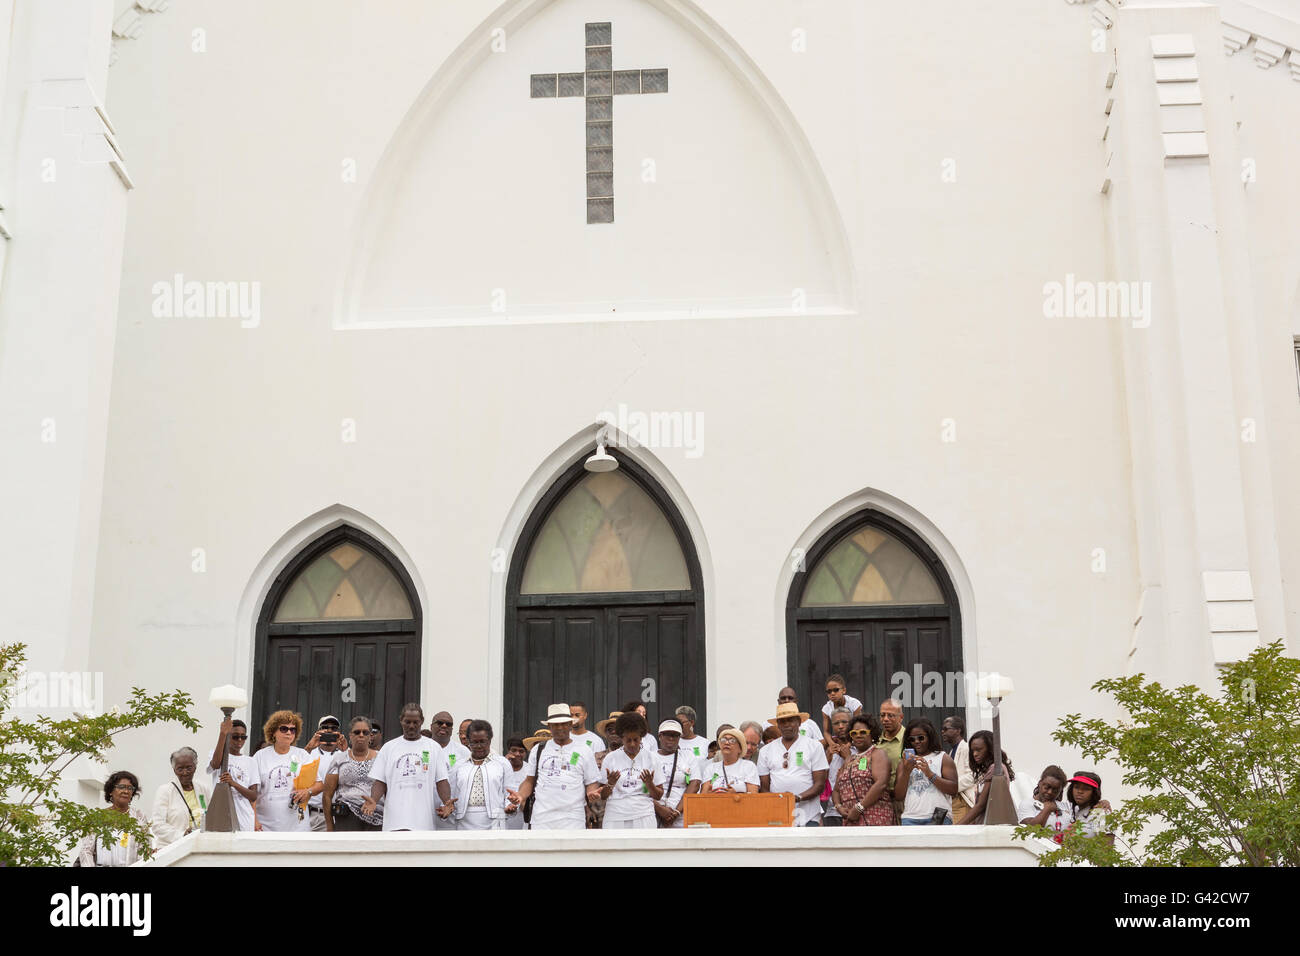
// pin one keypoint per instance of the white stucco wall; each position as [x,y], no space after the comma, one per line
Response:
[223,438]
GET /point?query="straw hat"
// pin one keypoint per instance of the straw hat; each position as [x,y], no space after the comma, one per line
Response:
[735,735]
[787,710]
[602,724]
[541,736]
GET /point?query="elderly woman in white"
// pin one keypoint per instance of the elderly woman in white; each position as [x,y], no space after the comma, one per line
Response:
[480,799]
[179,804]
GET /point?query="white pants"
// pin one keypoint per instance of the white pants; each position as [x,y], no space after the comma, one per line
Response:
[572,823]
[643,823]
[515,821]
[476,818]
[440,824]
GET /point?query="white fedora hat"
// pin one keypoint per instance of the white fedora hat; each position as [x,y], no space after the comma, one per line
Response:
[558,714]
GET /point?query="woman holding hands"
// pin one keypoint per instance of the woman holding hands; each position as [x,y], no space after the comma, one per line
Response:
[632,779]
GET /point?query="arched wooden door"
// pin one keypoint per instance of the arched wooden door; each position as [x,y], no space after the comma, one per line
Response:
[604,602]
[875,602]
[339,634]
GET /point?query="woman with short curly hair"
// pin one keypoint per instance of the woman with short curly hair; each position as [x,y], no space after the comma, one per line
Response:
[280,805]
[120,789]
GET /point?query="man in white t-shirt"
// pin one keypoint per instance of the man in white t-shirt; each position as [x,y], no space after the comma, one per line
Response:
[409,775]
[241,772]
[516,754]
[442,726]
[809,728]
[581,735]
[325,745]
[794,764]
[454,752]
[562,775]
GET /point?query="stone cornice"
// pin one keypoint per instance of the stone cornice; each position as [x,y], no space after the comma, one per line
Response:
[1270,27]
[129,24]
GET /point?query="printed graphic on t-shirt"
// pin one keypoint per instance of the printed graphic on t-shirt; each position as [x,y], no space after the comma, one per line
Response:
[410,768]
[554,765]
[281,777]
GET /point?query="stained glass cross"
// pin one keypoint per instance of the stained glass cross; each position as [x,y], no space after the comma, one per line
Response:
[599,84]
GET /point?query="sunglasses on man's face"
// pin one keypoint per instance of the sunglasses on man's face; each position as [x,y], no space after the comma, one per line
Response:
[442,723]
[239,736]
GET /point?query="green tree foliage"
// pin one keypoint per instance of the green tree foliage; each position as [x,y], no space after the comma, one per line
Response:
[1218,776]
[37,826]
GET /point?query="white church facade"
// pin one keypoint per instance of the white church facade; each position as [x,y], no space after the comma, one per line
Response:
[929,338]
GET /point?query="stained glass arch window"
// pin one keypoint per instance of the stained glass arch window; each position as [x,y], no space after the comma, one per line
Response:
[870,567]
[605,534]
[345,583]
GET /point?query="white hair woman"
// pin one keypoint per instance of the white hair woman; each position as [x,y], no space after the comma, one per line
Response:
[179,804]
[730,772]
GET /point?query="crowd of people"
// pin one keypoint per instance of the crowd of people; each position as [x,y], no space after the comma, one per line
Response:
[853,767]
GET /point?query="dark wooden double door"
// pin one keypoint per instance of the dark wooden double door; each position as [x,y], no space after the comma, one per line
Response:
[869,653]
[321,673]
[603,656]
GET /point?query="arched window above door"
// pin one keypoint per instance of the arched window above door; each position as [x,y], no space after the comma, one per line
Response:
[876,605]
[339,632]
[606,534]
[604,600]
[870,567]
[346,583]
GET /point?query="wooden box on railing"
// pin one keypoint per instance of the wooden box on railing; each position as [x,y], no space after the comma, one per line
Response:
[738,809]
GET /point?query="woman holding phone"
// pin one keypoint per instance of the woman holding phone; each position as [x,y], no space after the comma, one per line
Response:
[927,777]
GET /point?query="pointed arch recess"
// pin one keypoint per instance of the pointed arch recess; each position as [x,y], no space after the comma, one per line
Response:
[511,550]
[382,190]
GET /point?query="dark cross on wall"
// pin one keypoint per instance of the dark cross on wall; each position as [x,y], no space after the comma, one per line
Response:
[599,84]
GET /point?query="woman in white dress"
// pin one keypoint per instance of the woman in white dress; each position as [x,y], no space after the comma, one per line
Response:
[480,799]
